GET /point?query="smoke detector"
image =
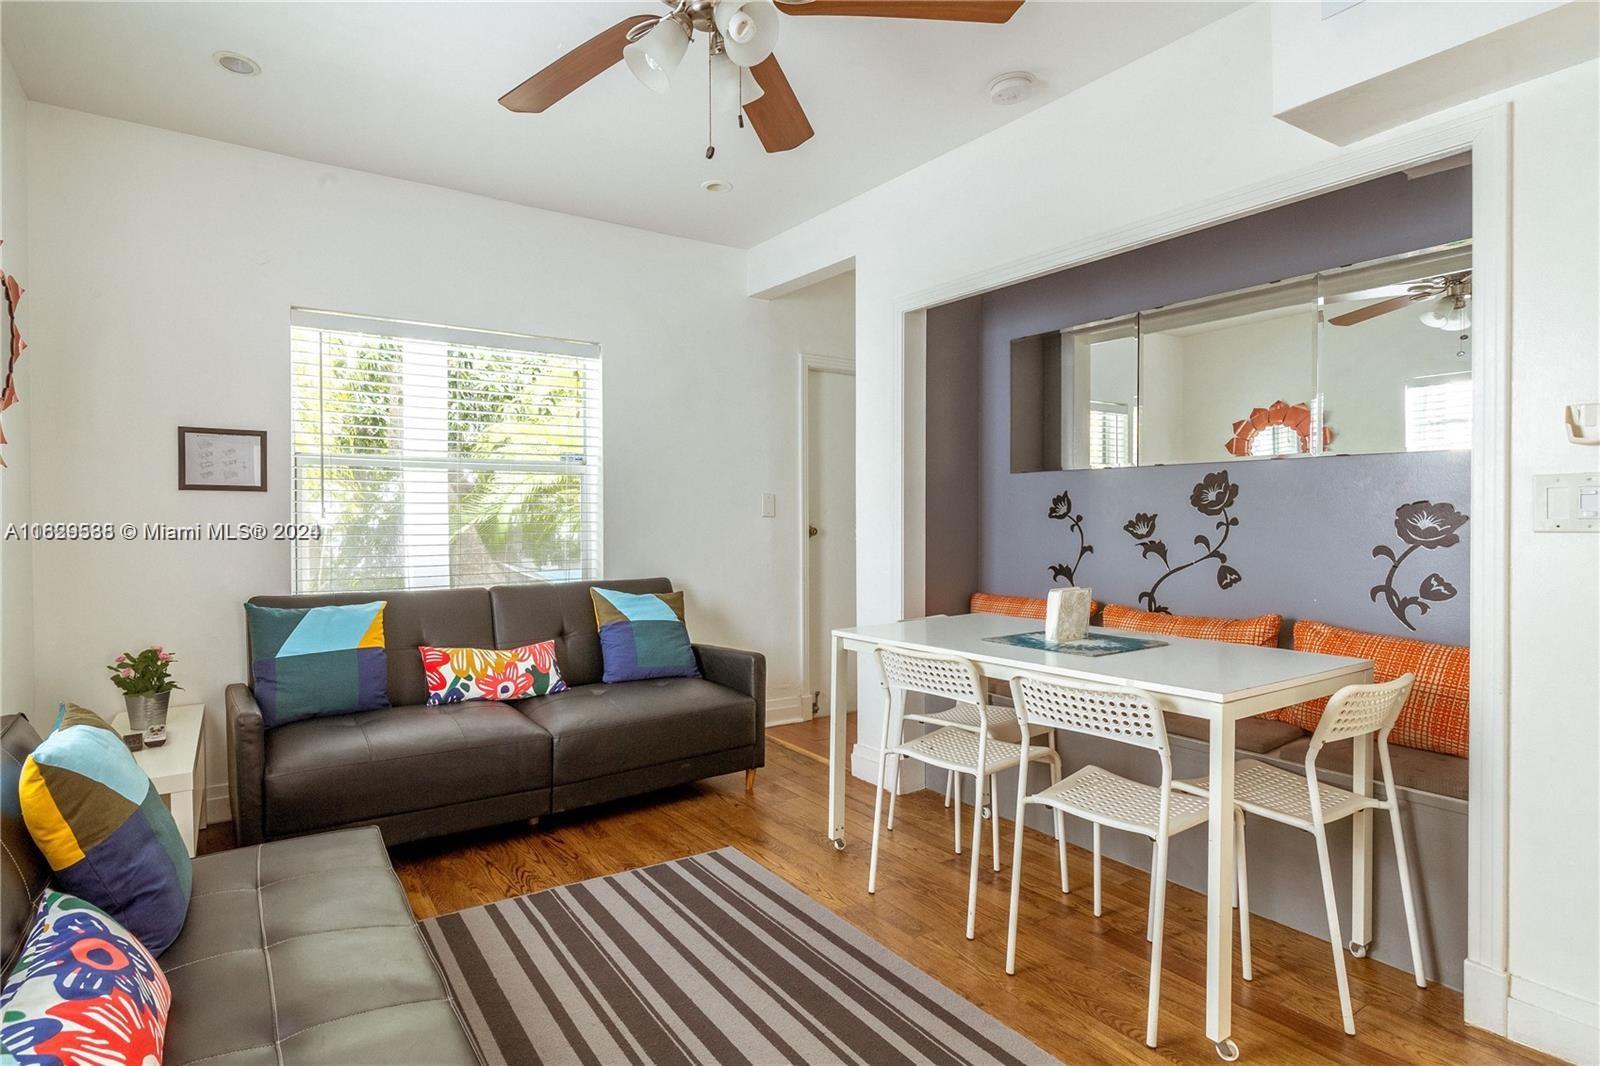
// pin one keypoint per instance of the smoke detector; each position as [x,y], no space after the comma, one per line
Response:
[1011,88]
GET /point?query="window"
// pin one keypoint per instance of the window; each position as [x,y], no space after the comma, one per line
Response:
[1275,440]
[1439,414]
[434,457]
[1108,435]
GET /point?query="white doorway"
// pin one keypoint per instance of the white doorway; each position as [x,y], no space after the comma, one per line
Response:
[827,520]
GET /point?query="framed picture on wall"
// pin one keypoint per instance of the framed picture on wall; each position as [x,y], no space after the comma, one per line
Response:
[222,460]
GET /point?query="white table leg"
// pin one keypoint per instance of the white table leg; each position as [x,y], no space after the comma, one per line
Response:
[1361,851]
[183,811]
[1219,889]
[838,731]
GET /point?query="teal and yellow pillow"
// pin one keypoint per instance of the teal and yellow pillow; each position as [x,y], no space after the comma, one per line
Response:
[642,635]
[104,830]
[310,661]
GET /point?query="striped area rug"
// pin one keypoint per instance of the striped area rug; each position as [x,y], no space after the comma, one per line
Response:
[709,959]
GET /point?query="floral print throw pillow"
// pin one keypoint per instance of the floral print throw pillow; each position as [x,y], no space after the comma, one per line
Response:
[457,674]
[83,991]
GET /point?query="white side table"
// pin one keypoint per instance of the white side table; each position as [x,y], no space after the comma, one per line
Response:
[178,767]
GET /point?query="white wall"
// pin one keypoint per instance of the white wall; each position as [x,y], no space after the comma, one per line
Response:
[16,556]
[1192,124]
[163,271]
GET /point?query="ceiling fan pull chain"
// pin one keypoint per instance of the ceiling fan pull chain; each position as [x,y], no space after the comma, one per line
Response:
[711,95]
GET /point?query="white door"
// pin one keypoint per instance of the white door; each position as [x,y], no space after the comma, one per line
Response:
[831,518]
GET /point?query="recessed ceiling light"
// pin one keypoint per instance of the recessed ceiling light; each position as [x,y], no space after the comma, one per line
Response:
[717,185]
[1011,88]
[234,63]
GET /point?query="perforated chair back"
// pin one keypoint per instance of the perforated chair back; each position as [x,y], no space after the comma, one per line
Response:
[947,676]
[1357,710]
[1127,715]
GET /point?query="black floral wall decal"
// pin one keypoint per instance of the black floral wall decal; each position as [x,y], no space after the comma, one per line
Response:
[1212,497]
[1422,524]
[1061,509]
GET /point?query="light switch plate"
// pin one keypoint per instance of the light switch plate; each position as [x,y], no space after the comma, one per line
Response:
[1566,503]
[769,505]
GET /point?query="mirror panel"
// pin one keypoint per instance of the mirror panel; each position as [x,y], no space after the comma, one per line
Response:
[1395,358]
[1366,359]
[1232,378]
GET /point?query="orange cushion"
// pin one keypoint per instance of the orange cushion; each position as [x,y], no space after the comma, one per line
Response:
[1262,629]
[1016,606]
[1435,715]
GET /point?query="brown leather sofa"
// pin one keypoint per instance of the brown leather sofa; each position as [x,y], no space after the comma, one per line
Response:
[417,771]
[294,952]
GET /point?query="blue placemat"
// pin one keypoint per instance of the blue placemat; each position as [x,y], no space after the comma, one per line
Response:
[1094,646]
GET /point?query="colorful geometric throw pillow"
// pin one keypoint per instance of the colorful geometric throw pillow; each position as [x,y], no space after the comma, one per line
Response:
[458,674]
[84,990]
[310,661]
[642,635]
[104,829]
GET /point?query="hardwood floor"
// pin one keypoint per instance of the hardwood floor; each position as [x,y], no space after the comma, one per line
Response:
[1080,987]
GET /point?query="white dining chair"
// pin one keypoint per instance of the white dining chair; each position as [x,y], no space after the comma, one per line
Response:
[949,747]
[1103,798]
[1355,713]
[965,716]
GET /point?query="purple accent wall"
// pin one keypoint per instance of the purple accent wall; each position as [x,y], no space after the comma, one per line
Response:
[1307,527]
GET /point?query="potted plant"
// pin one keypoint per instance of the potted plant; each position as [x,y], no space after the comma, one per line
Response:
[145,679]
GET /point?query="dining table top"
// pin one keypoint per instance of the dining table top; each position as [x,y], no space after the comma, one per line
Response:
[1208,670]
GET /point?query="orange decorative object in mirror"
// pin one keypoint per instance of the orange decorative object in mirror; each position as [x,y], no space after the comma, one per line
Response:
[1294,416]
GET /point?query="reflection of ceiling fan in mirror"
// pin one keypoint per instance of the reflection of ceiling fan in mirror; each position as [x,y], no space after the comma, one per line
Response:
[742,34]
[1449,293]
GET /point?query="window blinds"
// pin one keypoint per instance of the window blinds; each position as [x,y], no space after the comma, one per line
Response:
[434,457]
[1439,414]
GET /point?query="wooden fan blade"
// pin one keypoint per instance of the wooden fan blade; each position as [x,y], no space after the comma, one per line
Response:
[779,120]
[1382,307]
[575,68]
[943,10]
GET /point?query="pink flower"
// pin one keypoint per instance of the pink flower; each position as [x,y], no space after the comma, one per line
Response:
[157,649]
[122,658]
[163,656]
[125,672]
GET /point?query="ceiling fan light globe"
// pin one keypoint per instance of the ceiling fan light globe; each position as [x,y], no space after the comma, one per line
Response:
[654,57]
[749,29]
[732,86]
[1445,314]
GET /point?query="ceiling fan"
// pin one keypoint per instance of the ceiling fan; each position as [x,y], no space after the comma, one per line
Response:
[1450,293]
[742,35]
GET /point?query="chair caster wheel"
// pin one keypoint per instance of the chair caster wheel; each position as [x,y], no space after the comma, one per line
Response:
[1358,950]
[1227,1050]
[838,843]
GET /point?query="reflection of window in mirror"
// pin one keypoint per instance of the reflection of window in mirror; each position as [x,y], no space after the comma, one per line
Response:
[1109,436]
[1439,413]
[1275,440]
[1394,353]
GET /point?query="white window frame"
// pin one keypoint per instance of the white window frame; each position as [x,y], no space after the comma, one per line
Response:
[591,498]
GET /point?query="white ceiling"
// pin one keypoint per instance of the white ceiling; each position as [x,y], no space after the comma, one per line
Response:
[409,90]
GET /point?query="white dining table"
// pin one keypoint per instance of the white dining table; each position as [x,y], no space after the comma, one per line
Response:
[1207,679]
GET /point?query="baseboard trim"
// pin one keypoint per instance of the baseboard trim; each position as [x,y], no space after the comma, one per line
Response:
[218,809]
[864,761]
[1484,993]
[786,710]
[1555,1022]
